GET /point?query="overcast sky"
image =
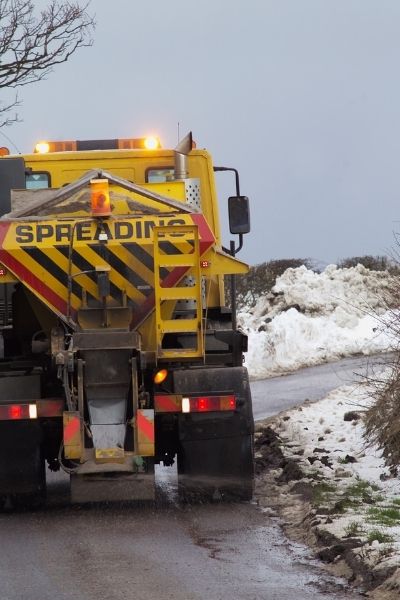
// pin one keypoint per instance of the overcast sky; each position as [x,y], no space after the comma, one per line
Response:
[302,96]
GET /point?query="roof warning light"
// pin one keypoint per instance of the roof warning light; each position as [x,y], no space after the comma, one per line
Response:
[100,198]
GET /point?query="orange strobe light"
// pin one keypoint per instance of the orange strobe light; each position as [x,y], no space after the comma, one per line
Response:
[160,376]
[42,147]
[100,198]
[151,142]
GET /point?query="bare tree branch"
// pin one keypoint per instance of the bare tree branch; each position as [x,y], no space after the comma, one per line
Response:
[32,44]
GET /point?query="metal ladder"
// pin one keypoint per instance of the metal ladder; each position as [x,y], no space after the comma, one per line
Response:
[182,259]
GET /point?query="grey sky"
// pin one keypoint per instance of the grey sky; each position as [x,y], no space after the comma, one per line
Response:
[302,96]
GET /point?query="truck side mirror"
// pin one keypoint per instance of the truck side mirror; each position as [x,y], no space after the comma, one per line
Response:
[239,214]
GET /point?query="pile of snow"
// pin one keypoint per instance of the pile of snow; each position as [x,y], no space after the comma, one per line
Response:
[310,318]
[320,428]
[326,439]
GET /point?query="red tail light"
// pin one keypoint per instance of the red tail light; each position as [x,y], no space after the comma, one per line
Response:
[16,412]
[208,403]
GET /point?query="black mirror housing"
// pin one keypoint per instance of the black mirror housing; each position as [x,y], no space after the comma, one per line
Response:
[239,214]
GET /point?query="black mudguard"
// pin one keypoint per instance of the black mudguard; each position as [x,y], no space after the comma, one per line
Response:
[21,461]
[216,449]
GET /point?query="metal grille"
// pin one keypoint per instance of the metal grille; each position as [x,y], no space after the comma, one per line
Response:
[192,192]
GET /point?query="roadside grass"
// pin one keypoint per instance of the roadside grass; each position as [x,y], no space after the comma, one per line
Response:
[322,493]
[362,489]
[358,493]
[379,536]
[384,515]
[354,528]
[355,495]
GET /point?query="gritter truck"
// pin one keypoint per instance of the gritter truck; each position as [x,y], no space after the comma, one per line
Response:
[117,348]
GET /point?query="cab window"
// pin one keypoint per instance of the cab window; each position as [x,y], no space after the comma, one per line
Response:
[161,175]
[37,180]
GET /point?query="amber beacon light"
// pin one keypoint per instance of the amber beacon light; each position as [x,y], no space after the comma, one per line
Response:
[160,376]
[42,147]
[151,143]
[100,198]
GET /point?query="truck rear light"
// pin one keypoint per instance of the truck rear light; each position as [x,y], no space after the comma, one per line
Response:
[208,403]
[160,376]
[17,412]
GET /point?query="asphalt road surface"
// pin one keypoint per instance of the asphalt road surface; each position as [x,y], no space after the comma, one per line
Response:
[167,551]
[271,396]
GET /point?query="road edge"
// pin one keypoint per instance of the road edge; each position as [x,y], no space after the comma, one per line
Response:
[281,488]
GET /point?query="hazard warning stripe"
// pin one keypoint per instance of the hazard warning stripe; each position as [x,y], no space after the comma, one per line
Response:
[167,403]
[53,269]
[144,258]
[123,269]
[182,246]
[137,267]
[141,255]
[80,263]
[35,283]
[169,248]
[83,282]
[145,426]
[205,234]
[117,280]
[71,430]
[62,260]
[84,265]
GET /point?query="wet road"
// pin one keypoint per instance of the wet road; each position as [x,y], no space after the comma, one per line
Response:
[196,553]
[271,396]
[211,551]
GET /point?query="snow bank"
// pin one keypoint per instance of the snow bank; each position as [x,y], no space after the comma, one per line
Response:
[326,439]
[310,318]
[322,424]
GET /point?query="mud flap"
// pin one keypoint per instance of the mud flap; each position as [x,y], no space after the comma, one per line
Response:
[216,454]
[22,467]
[221,468]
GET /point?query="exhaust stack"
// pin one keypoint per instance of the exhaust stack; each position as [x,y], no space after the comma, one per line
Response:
[181,152]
